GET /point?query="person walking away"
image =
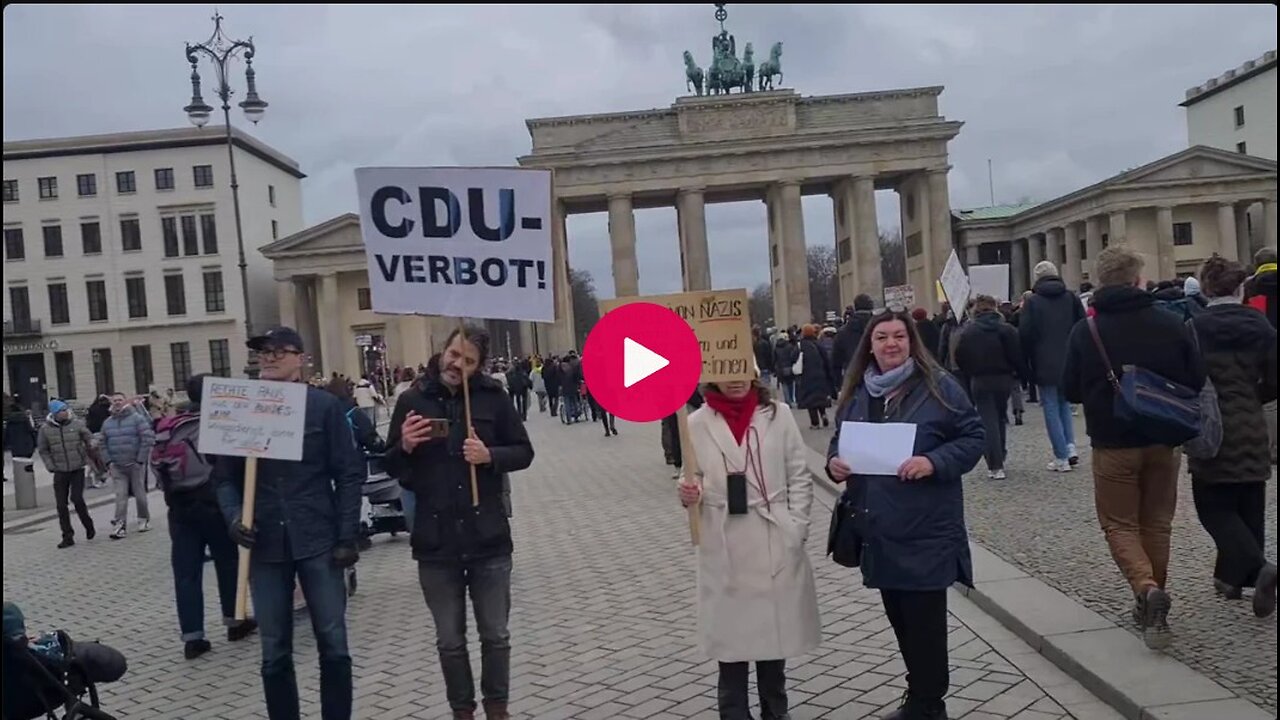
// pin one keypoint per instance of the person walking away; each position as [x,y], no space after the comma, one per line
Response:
[913,541]
[98,412]
[518,384]
[65,445]
[571,387]
[1238,346]
[127,437]
[927,330]
[1048,317]
[850,334]
[196,525]
[764,355]
[1010,315]
[20,436]
[1135,479]
[367,399]
[753,571]
[305,530]
[598,412]
[462,548]
[406,378]
[815,384]
[539,385]
[1260,294]
[785,354]
[989,355]
[552,379]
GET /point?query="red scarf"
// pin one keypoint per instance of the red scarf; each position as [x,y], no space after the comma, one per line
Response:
[737,413]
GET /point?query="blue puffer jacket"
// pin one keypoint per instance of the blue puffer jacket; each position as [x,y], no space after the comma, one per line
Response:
[127,438]
[913,531]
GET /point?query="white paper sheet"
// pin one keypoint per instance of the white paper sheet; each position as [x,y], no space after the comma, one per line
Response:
[876,448]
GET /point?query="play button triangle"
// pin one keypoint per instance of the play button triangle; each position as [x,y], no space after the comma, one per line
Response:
[639,362]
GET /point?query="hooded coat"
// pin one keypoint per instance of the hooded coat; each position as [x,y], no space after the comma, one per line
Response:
[1044,326]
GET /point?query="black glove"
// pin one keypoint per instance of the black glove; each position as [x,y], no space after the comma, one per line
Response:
[345,555]
[241,535]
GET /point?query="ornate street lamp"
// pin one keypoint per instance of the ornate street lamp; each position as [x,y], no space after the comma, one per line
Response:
[221,50]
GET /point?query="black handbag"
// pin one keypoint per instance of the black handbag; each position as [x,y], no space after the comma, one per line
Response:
[844,544]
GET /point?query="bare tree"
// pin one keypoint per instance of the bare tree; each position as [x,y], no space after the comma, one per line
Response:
[893,258]
[586,308]
[760,305]
[824,281]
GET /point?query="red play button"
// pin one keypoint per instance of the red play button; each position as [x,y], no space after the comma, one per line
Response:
[641,362]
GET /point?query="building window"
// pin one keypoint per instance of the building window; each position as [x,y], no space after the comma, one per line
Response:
[846,251]
[1182,233]
[181,354]
[271,194]
[97,292]
[11,191]
[363,300]
[911,206]
[14,246]
[91,237]
[126,182]
[203,175]
[143,374]
[64,364]
[52,240]
[175,294]
[1239,114]
[275,230]
[20,306]
[164,178]
[220,357]
[190,242]
[130,234]
[215,300]
[1106,239]
[87,185]
[135,289]
[169,230]
[1084,250]
[209,234]
[1242,147]
[59,310]
[104,375]
[48,188]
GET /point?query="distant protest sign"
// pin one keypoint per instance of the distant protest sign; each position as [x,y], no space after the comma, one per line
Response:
[720,321]
[458,242]
[252,418]
[900,296]
[990,280]
[955,284]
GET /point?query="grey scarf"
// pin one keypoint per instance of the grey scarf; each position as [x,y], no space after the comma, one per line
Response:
[881,384]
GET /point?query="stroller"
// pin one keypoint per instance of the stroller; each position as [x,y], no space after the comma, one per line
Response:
[36,686]
[380,509]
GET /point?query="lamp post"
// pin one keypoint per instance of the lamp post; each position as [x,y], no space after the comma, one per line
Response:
[221,50]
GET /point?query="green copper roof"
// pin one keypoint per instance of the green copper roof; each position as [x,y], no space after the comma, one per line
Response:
[995,212]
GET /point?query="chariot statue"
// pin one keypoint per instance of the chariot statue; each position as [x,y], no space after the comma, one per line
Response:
[726,72]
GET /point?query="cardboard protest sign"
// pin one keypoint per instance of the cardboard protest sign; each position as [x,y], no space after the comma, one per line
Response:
[252,418]
[955,284]
[990,280]
[458,242]
[903,296]
[720,321]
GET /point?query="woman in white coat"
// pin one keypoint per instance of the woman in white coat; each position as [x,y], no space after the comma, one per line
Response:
[756,595]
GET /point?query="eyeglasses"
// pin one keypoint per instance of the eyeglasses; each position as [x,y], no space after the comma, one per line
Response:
[278,353]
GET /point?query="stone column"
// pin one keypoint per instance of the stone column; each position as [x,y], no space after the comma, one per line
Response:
[691,221]
[793,265]
[1244,245]
[1093,245]
[842,207]
[1269,223]
[287,294]
[560,336]
[972,256]
[1035,252]
[865,236]
[939,239]
[1165,261]
[1227,244]
[1117,233]
[622,244]
[1053,247]
[1018,269]
[306,302]
[1072,270]
[331,331]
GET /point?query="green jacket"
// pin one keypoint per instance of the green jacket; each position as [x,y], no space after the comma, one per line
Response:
[64,447]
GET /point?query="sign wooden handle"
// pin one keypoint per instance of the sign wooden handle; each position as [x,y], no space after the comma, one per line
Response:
[690,469]
[246,519]
[466,406]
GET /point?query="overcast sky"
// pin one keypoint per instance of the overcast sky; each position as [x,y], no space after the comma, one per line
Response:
[1056,97]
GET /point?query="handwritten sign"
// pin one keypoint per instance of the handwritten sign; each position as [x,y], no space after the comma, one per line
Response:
[990,280]
[719,319]
[252,418]
[900,296]
[955,284]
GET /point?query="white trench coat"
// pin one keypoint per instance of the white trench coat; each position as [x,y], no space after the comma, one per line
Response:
[756,594]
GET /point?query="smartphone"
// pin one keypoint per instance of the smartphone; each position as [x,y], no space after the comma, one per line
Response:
[737,492]
[438,429]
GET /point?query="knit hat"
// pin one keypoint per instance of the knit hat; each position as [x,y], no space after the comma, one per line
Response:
[919,314]
[1044,268]
[56,406]
[1191,288]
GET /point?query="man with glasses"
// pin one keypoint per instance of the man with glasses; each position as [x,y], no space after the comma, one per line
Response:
[305,529]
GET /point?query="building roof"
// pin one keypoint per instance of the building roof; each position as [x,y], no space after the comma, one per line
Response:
[281,247]
[994,212]
[1232,77]
[149,140]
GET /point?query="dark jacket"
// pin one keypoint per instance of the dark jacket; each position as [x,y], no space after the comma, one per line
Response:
[1239,350]
[552,378]
[764,354]
[914,532]
[1260,294]
[570,377]
[990,346]
[518,381]
[1135,332]
[947,328]
[1047,319]
[816,384]
[784,356]
[302,508]
[64,446]
[363,431]
[929,336]
[97,414]
[19,434]
[446,527]
[847,339]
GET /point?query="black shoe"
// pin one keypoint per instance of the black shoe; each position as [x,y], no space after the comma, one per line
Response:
[242,630]
[913,708]
[1264,594]
[66,543]
[826,422]
[196,648]
[1155,605]
[1226,591]
[1017,419]
[90,533]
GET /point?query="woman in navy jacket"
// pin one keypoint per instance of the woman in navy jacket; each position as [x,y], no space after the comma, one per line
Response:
[911,526]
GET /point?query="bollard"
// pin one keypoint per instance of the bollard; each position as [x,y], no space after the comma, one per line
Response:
[24,483]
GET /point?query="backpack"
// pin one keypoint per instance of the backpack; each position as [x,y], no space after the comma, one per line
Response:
[1205,446]
[1182,307]
[178,465]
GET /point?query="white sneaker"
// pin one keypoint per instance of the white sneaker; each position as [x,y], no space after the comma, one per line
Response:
[1059,466]
[998,475]
[118,532]
[144,525]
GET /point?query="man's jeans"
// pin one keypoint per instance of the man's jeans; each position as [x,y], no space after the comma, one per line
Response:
[130,478]
[326,595]
[1057,420]
[70,486]
[1136,493]
[192,528]
[570,406]
[445,588]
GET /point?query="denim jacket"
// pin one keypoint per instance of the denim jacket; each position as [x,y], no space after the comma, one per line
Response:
[302,508]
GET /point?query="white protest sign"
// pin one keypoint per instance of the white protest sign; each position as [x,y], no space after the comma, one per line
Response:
[252,418]
[955,284]
[903,296]
[458,242]
[990,280]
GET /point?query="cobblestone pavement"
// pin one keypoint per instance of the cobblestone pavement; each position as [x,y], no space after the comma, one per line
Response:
[603,623]
[1046,523]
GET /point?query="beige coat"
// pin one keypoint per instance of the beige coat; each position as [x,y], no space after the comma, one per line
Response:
[756,593]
